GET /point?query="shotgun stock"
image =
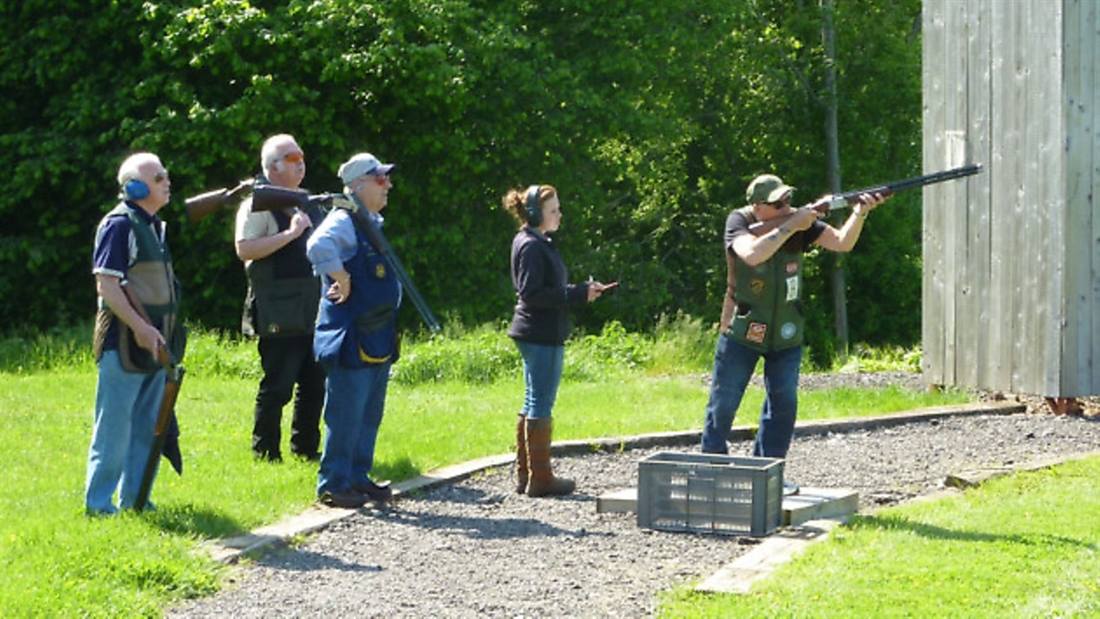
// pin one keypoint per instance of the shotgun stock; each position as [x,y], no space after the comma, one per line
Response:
[839,201]
[202,205]
[174,378]
[272,198]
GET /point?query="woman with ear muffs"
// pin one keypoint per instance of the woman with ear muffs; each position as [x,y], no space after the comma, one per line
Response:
[540,326]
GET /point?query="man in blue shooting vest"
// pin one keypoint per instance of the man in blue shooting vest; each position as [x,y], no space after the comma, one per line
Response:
[762,311]
[356,335]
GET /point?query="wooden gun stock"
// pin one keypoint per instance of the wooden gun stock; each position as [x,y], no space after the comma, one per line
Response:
[205,204]
[832,203]
[174,378]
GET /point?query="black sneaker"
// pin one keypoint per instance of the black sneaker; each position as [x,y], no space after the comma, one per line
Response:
[379,493]
[344,500]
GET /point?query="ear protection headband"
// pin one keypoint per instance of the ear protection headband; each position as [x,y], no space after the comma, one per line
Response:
[135,189]
[534,211]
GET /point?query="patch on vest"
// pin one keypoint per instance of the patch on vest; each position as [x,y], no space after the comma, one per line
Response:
[792,288]
[380,271]
[788,330]
[757,286]
[756,332]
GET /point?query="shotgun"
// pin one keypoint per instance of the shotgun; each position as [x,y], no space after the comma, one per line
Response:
[268,197]
[829,204]
[173,379]
[198,207]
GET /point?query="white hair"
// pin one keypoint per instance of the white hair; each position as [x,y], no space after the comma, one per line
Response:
[131,167]
[269,154]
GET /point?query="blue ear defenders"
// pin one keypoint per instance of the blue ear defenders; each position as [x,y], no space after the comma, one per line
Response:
[534,211]
[135,190]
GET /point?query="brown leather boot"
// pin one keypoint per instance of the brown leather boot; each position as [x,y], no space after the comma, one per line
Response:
[521,454]
[542,481]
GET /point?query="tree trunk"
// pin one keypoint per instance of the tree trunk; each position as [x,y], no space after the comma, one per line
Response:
[832,146]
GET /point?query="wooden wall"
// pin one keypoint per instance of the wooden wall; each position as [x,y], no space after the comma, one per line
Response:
[1011,297]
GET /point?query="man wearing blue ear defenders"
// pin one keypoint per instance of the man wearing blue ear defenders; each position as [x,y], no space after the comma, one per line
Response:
[138,301]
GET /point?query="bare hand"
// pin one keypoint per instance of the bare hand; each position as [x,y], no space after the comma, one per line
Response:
[867,202]
[149,338]
[803,218]
[340,290]
[299,223]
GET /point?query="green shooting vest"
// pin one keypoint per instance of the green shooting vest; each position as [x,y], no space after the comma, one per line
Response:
[152,280]
[763,305]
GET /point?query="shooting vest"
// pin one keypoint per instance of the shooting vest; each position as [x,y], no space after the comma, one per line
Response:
[283,293]
[361,331]
[763,305]
[152,281]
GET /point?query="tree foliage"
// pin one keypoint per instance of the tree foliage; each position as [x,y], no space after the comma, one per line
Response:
[650,119]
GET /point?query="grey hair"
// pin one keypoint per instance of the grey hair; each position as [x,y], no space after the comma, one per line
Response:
[131,167]
[269,154]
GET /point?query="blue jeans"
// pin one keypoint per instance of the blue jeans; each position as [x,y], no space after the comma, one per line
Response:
[354,402]
[126,406]
[734,364]
[542,368]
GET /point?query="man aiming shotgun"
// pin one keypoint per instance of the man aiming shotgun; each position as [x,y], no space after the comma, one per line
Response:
[762,310]
[829,204]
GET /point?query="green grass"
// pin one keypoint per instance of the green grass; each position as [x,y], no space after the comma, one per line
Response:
[452,399]
[1020,546]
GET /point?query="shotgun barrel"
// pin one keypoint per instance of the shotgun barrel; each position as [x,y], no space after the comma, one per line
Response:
[839,201]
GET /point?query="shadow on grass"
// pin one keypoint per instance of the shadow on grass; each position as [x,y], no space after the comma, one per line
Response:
[188,519]
[396,470]
[894,522]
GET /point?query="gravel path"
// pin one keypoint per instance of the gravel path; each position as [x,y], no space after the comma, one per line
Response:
[477,549]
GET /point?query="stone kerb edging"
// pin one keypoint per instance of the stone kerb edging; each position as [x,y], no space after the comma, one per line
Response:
[316,517]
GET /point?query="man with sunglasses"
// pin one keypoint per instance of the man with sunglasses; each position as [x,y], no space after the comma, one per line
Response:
[762,311]
[138,300]
[281,308]
[356,337]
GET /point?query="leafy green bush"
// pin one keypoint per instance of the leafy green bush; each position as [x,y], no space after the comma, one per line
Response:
[650,119]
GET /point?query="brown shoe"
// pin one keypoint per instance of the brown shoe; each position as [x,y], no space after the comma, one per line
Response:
[343,500]
[542,481]
[521,454]
[379,493]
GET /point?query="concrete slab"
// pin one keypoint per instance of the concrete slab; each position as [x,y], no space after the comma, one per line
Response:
[818,503]
[739,575]
[618,502]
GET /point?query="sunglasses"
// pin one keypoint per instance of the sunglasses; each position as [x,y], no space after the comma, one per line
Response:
[160,177]
[381,179]
[294,157]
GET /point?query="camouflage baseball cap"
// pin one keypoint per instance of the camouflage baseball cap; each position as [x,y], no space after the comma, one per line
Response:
[766,188]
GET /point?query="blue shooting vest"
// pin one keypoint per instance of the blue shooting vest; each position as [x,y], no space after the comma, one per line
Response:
[361,331]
